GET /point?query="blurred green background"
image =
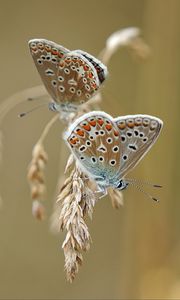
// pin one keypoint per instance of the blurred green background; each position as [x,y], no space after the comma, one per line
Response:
[136,250]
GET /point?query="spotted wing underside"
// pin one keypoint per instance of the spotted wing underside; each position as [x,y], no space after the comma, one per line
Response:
[46,56]
[77,79]
[69,77]
[94,140]
[137,135]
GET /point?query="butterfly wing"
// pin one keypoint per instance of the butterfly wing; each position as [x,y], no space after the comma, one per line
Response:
[101,69]
[94,140]
[69,77]
[46,56]
[77,79]
[137,135]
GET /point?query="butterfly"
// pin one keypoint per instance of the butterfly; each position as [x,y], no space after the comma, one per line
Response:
[107,148]
[70,77]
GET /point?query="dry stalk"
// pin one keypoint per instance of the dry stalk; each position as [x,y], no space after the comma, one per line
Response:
[77,200]
[36,175]
[128,38]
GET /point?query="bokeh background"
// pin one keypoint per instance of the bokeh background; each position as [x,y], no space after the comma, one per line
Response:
[136,250]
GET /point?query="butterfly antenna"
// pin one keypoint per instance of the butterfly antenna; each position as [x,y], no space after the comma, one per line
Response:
[134,183]
[36,98]
[145,183]
[23,114]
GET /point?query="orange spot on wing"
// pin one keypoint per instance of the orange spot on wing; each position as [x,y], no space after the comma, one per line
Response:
[61,63]
[108,127]
[73,141]
[90,75]
[86,67]
[130,125]
[92,123]
[54,52]
[94,85]
[80,132]
[116,133]
[87,127]
[122,126]
[60,54]
[100,122]
[76,139]
[48,49]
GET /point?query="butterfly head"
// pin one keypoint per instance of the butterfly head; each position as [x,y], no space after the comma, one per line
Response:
[122,185]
